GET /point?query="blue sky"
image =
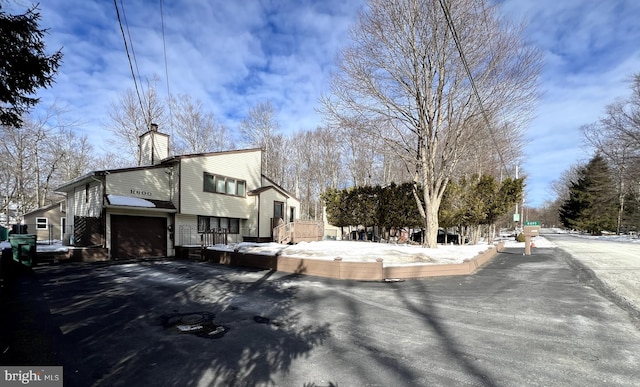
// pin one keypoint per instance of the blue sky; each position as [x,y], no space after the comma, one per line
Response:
[232,55]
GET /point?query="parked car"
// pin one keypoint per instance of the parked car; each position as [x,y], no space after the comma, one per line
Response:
[451,237]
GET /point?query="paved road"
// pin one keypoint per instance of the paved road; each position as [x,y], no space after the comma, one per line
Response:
[616,264]
[536,320]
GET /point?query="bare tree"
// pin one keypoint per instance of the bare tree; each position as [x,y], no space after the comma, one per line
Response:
[73,152]
[616,136]
[314,162]
[17,150]
[196,131]
[360,148]
[129,117]
[41,154]
[444,74]
[561,186]
[260,129]
[330,157]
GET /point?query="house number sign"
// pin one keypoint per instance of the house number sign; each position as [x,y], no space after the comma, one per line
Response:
[141,193]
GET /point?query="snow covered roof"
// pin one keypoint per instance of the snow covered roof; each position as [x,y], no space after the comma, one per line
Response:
[129,201]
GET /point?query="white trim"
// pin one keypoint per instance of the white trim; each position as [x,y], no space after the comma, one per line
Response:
[38,225]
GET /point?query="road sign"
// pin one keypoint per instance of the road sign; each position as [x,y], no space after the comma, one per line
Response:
[532,223]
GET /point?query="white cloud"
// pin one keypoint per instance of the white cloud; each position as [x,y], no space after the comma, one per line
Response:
[232,55]
[591,50]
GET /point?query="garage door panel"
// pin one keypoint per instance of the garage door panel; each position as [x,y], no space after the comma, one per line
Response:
[138,236]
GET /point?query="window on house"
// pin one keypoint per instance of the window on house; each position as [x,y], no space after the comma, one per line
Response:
[224,185]
[206,223]
[278,210]
[209,186]
[231,186]
[292,214]
[220,184]
[240,185]
[42,224]
[203,223]
[234,226]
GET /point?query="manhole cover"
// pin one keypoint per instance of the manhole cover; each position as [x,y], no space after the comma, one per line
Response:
[200,324]
[193,318]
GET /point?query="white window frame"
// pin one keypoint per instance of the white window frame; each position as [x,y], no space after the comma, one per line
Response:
[40,226]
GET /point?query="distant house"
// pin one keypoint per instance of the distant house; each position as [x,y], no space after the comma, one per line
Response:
[48,222]
[147,211]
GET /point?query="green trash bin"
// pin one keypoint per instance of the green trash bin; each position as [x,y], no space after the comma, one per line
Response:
[24,248]
[4,233]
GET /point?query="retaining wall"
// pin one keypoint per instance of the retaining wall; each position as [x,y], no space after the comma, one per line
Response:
[363,271]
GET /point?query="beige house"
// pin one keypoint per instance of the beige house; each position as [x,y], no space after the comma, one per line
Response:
[149,210]
[47,223]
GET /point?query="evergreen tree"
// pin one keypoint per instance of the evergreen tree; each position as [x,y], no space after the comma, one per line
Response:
[397,207]
[592,202]
[631,216]
[334,201]
[24,66]
[449,214]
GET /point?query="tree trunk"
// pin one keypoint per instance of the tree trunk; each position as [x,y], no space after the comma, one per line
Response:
[431,222]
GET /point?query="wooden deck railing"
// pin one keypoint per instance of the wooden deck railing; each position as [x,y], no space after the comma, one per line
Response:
[214,236]
[188,235]
[299,231]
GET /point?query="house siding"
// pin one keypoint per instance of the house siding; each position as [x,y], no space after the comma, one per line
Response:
[239,165]
[179,179]
[152,183]
[53,214]
[266,209]
[186,230]
[87,202]
[154,147]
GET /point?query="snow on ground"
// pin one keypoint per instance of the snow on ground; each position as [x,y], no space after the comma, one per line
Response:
[362,251]
[610,237]
[41,246]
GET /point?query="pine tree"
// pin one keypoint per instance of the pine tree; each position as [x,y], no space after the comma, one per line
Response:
[592,202]
[24,66]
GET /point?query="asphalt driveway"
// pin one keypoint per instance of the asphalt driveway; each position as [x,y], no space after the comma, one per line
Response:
[521,320]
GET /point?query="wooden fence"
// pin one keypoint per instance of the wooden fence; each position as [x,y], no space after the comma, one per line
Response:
[299,231]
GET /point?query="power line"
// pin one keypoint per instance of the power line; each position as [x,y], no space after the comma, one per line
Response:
[456,39]
[133,52]
[133,75]
[166,67]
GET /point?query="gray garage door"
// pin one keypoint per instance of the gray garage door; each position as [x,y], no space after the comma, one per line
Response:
[138,236]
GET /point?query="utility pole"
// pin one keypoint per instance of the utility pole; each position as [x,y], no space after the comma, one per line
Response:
[516,214]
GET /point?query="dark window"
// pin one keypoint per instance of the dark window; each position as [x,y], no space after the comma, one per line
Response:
[208,183]
[234,226]
[224,185]
[42,224]
[203,223]
[207,223]
[278,210]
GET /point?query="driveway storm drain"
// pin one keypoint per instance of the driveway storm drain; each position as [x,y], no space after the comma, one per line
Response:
[199,324]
